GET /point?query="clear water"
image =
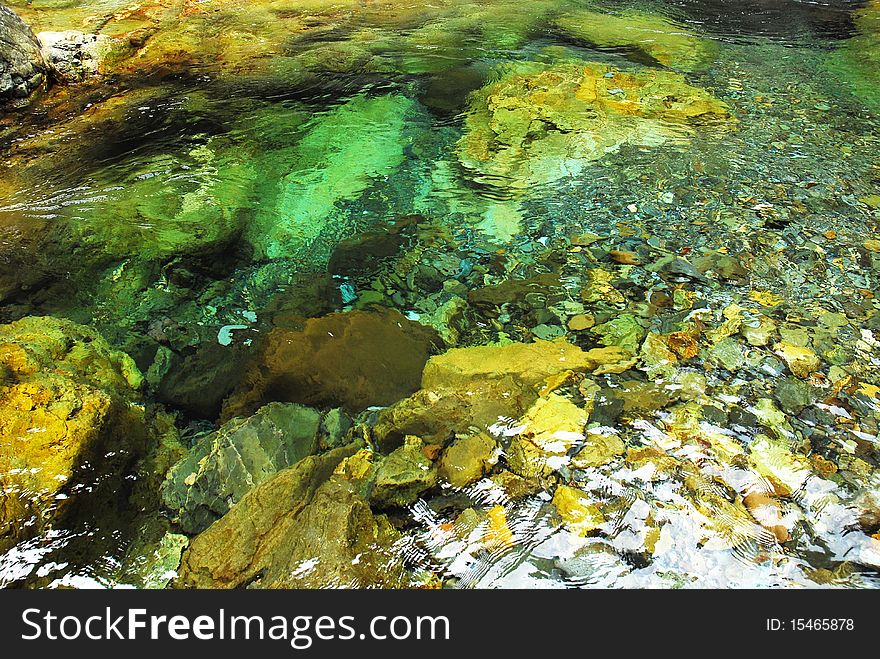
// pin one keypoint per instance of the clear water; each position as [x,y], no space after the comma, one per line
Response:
[186,203]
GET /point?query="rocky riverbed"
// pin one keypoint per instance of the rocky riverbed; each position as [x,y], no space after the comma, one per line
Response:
[375,295]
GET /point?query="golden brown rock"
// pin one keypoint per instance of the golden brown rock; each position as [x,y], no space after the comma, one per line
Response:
[530,363]
[302,528]
[66,400]
[538,124]
[354,360]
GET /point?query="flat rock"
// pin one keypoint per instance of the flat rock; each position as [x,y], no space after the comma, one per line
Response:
[225,465]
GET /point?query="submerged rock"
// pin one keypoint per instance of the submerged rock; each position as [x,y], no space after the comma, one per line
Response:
[551,427]
[403,476]
[225,465]
[301,528]
[653,35]
[530,363]
[483,387]
[439,414]
[336,160]
[579,514]
[539,124]
[22,67]
[69,404]
[353,360]
[468,459]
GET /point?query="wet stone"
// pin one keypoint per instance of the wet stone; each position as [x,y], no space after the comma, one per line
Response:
[224,465]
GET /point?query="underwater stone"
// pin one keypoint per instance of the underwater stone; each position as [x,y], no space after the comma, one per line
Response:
[301,528]
[551,427]
[68,402]
[577,511]
[653,35]
[599,449]
[539,124]
[530,363]
[354,360]
[793,395]
[439,414]
[801,361]
[224,465]
[625,331]
[402,476]
[728,354]
[198,383]
[468,459]
[22,67]
[335,161]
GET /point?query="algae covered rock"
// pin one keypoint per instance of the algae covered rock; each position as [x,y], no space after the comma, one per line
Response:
[402,476]
[539,124]
[68,404]
[224,465]
[353,360]
[468,459]
[22,68]
[301,528]
[653,35]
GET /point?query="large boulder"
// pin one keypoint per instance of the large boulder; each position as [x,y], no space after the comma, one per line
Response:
[69,405]
[305,527]
[538,124]
[225,465]
[476,388]
[22,68]
[353,360]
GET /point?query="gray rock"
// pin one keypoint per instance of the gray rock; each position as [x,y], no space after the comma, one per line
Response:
[335,427]
[225,465]
[72,55]
[22,67]
[793,395]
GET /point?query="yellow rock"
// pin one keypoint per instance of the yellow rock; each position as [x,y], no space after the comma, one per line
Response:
[551,427]
[530,363]
[582,321]
[539,124]
[599,288]
[872,245]
[801,361]
[576,510]
[766,298]
[66,398]
[356,467]
[598,450]
[784,470]
[498,535]
[667,42]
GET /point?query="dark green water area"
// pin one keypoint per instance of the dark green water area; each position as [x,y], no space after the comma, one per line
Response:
[372,293]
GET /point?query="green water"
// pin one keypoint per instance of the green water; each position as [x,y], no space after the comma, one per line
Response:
[600,173]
